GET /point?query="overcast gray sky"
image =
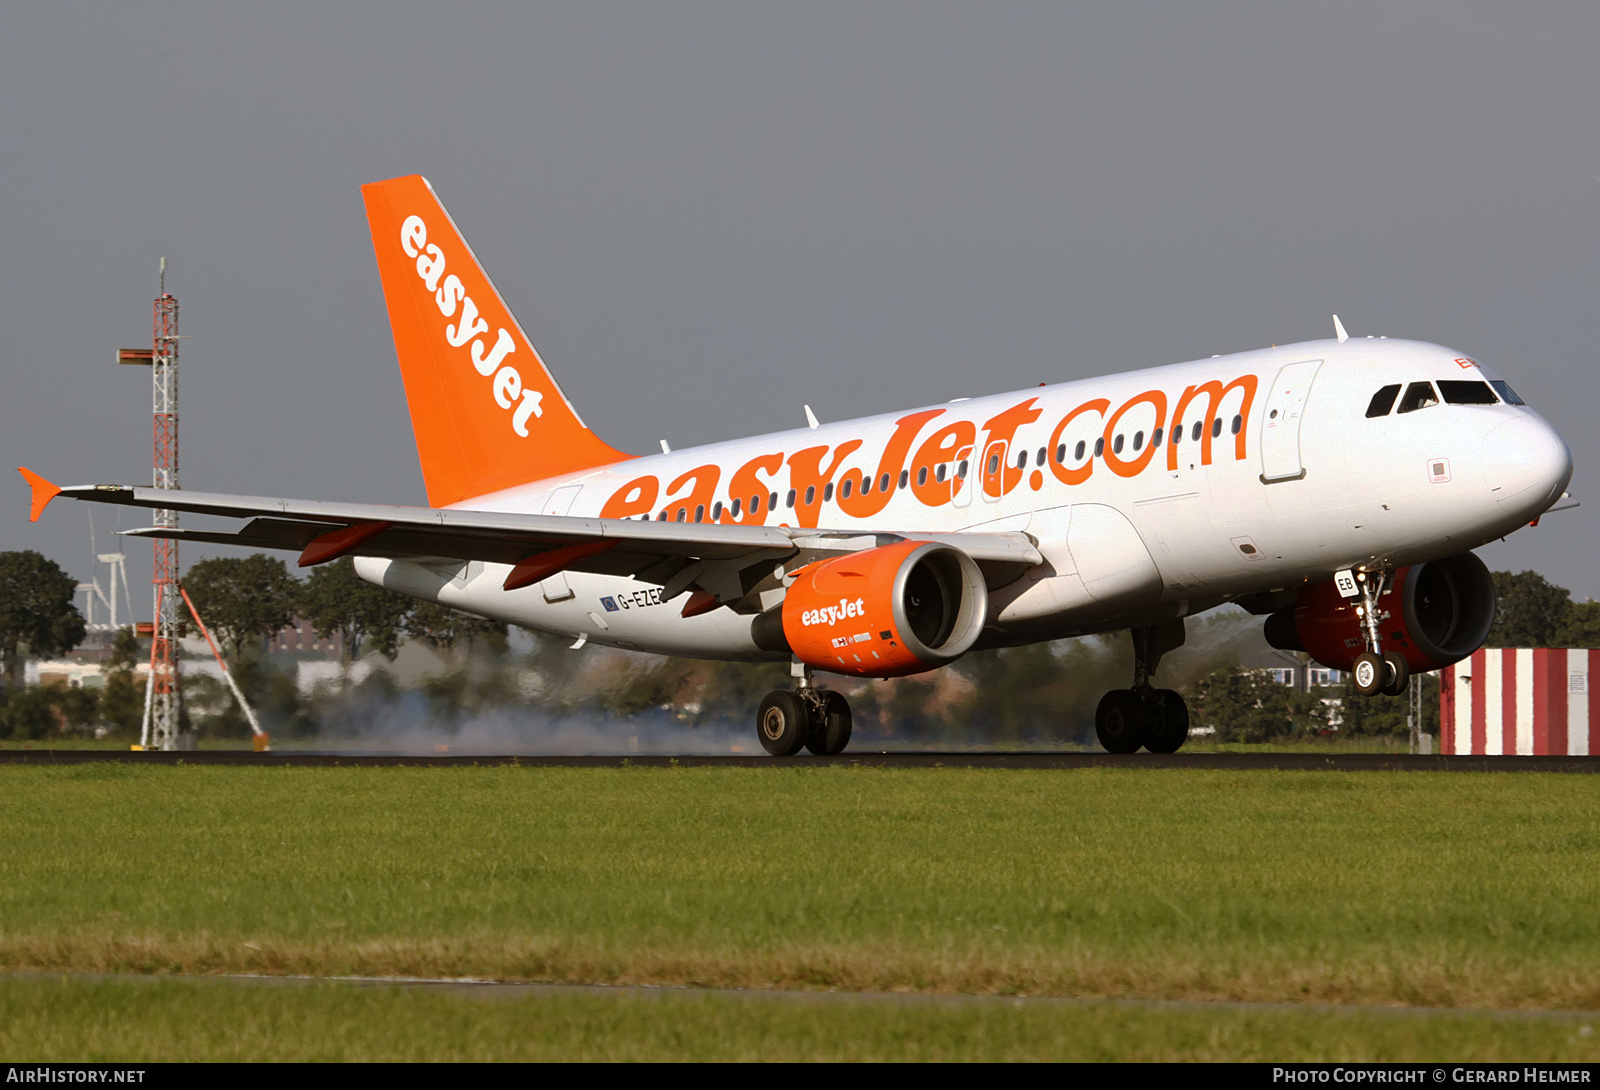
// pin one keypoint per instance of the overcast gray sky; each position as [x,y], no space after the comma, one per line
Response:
[707,214]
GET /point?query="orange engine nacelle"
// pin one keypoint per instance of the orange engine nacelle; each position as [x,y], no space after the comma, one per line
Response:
[886,612]
[1434,614]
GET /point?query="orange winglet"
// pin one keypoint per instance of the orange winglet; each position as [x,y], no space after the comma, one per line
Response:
[335,543]
[43,491]
[701,601]
[542,566]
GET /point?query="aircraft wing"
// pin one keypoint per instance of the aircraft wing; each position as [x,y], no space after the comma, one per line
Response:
[536,546]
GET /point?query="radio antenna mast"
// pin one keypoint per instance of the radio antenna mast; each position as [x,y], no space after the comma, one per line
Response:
[164,698]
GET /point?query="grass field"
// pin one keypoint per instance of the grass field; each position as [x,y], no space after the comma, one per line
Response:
[141,1020]
[1458,890]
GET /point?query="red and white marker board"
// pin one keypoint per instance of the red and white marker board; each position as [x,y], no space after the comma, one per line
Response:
[1519,700]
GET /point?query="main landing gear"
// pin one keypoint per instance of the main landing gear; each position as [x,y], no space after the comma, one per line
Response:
[805,716]
[1157,719]
[1377,670]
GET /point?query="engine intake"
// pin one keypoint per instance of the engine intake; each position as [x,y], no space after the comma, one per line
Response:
[1434,614]
[886,612]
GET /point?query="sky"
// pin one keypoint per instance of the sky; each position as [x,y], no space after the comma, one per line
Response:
[706,215]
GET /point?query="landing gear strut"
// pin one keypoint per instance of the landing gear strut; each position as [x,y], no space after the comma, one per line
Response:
[1377,670]
[1157,719]
[803,717]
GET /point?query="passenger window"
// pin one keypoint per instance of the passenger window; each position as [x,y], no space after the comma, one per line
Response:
[1077,455]
[961,470]
[734,509]
[1383,401]
[1466,392]
[1116,445]
[844,489]
[1099,446]
[922,476]
[1507,394]
[811,494]
[1419,395]
[716,511]
[994,464]
[1155,440]
[772,502]
[1238,422]
[827,493]
[939,473]
[700,512]
[1216,427]
[1195,437]
[789,499]
[1138,440]
[883,483]
[1039,459]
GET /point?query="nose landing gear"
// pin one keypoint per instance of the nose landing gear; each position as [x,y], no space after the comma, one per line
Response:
[804,717]
[1377,670]
[1156,719]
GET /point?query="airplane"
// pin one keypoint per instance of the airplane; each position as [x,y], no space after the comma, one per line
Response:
[1334,487]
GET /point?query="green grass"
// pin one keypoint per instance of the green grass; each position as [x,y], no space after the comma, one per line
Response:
[1460,890]
[185,1020]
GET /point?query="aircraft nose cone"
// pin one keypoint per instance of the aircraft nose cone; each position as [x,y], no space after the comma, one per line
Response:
[1526,464]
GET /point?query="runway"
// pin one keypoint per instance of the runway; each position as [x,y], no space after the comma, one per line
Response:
[481,989]
[1223,762]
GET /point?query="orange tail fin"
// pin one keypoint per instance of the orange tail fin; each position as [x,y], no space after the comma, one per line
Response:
[486,412]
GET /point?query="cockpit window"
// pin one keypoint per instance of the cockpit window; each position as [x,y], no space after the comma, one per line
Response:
[1383,401]
[1507,394]
[1419,395]
[1466,392]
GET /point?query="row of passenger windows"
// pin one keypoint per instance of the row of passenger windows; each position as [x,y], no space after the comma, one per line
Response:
[942,472]
[1420,395]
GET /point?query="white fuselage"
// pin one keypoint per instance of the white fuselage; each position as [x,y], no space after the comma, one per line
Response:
[1288,482]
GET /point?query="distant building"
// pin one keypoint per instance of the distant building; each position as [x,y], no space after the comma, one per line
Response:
[72,673]
[1292,669]
[301,640]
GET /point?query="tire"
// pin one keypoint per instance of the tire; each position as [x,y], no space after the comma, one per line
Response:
[830,732]
[782,723]
[1396,673]
[1369,673]
[1168,733]
[1119,721]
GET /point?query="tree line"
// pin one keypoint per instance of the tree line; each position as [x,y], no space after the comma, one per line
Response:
[1020,694]
[243,601]
[247,601]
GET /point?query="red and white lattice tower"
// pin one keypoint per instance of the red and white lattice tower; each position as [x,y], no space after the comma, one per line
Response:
[165,703]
